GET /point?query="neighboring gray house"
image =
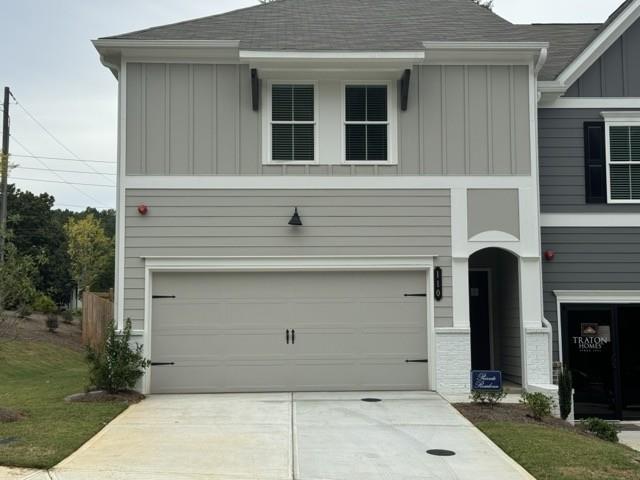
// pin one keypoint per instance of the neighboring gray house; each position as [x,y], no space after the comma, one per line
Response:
[589,135]
[325,194]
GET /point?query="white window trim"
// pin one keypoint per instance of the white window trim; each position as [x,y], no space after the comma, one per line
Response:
[392,122]
[617,119]
[267,124]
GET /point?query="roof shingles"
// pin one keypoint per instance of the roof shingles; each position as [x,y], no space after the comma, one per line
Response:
[372,25]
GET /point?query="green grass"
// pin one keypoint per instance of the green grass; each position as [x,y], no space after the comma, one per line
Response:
[550,453]
[35,378]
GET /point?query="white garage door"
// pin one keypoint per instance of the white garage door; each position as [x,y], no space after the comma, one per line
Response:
[311,331]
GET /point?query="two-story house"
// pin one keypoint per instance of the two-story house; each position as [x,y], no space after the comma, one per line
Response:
[589,135]
[332,195]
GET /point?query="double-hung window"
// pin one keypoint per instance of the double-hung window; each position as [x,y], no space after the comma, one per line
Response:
[293,123]
[623,160]
[366,123]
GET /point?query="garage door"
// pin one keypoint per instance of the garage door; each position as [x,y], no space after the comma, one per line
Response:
[309,331]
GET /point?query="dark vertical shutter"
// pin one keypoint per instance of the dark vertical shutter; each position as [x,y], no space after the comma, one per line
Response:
[595,162]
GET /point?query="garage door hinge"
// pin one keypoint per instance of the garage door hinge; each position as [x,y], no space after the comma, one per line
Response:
[163,296]
[162,364]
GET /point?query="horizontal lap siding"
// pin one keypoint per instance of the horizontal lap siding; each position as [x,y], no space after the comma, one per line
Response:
[198,120]
[254,223]
[589,259]
[562,171]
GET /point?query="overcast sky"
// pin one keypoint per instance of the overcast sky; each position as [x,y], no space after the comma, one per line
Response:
[54,72]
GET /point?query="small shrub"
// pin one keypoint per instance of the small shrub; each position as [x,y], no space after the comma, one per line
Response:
[565,392]
[116,367]
[52,322]
[539,404]
[601,429]
[67,317]
[44,304]
[489,398]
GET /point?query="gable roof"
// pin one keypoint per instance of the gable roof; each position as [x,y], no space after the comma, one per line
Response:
[376,25]
[356,25]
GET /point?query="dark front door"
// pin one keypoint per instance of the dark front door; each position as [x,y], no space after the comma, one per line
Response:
[479,305]
[629,335]
[600,348]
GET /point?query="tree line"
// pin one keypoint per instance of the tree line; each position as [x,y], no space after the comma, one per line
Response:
[51,251]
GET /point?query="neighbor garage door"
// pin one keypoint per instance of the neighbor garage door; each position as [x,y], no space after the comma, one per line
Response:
[309,331]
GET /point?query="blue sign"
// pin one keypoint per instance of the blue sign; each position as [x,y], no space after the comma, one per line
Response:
[486,380]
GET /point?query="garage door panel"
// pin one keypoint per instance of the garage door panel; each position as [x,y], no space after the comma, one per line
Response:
[226,331]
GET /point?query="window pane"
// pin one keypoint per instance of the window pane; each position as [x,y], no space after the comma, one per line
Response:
[282,103]
[376,143]
[635,182]
[356,140]
[635,144]
[303,103]
[303,143]
[282,142]
[620,182]
[619,142]
[377,104]
[356,103]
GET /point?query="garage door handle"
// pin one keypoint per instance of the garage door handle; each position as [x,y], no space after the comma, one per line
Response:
[293,336]
[417,361]
[287,337]
[162,364]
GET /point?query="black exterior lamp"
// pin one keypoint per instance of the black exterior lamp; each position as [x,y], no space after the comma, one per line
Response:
[295,219]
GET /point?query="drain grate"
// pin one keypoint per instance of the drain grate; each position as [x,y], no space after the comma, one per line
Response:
[371,400]
[441,453]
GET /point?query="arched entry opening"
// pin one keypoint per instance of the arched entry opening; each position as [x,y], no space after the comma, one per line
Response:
[494,304]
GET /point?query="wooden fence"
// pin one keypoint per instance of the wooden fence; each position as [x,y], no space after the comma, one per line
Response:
[97,314]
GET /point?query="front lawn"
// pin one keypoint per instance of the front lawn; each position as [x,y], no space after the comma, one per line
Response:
[555,451]
[35,377]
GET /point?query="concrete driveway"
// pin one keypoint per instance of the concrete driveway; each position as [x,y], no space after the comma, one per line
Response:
[323,436]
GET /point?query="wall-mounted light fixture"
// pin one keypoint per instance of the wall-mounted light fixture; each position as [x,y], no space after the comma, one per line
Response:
[295,219]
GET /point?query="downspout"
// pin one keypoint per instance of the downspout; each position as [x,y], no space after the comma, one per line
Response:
[542,59]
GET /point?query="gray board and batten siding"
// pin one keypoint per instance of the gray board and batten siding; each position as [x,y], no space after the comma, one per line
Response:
[562,163]
[254,223]
[198,120]
[589,258]
[616,73]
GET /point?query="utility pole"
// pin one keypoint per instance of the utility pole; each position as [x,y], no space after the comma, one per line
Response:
[4,167]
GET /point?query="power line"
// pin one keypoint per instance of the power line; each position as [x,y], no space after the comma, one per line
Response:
[59,176]
[63,181]
[82,160]
[54,137]
[58,170]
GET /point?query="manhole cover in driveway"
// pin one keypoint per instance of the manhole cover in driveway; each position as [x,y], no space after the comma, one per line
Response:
[8,440]
[371,400]
[441,453]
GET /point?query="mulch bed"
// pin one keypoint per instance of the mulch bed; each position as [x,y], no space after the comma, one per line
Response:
[10,416]
[507,412]
[100,396]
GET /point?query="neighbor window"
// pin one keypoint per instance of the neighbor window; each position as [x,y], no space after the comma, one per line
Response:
[624,163]
[293,123]
[366,123]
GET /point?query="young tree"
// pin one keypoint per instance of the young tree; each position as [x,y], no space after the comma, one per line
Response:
[90,249]
[17,278]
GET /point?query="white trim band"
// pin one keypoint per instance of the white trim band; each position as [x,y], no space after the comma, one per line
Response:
[597,296]
[322,182]
[590,220]
[599,103]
